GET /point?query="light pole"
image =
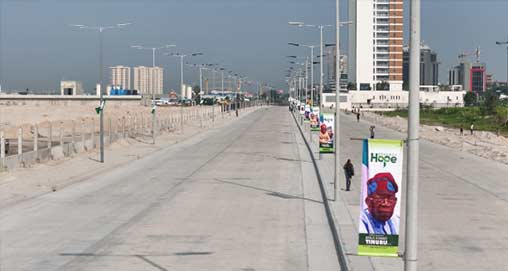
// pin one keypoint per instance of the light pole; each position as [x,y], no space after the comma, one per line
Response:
[100,30]
[140,47]
[411,251]
[320,27]
[311,68]
[505,43]
[222,78]
[182,56]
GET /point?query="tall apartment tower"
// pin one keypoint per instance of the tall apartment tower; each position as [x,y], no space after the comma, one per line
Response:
[375,43]
[429,67]
[121,77]
[148,80]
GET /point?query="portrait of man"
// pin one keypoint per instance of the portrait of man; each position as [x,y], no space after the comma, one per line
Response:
[381,200]
[314,122]
[324,137]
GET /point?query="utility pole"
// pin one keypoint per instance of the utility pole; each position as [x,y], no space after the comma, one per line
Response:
[101,29]
[411,255]
[505,43]
[337,100]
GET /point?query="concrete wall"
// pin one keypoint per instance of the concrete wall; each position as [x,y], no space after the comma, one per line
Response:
[43,100]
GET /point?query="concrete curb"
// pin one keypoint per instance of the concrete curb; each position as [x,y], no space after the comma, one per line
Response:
[331,222]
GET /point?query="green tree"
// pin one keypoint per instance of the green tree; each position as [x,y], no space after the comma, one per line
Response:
[469,99]
[491,101]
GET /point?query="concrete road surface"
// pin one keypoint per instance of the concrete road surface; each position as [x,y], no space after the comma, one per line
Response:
[463,205]
[230,199]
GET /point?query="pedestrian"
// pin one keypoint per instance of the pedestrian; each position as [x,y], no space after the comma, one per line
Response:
[372,131]
[357,117]
[471,128]
[461,131]
[349,171]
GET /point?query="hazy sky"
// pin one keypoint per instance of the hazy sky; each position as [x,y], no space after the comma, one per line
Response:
[39,48]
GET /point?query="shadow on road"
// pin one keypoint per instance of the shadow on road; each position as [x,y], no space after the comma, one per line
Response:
[270,192]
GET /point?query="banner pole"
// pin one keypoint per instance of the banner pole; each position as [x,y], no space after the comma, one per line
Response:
[337,101]
[411,242]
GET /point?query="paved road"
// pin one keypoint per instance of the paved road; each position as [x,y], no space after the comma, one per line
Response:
[230,199]
[463,203]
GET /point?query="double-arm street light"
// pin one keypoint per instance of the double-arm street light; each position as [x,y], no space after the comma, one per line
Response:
[303,79]
[100,29]
[140,47]
[320,27]
[153,49]
[182,56]
[311,68]
[505,43]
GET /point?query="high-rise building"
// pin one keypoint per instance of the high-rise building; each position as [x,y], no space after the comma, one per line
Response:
[148,80]
[429,67]
[471,76]
[121,77]
[331,63]
[375,43]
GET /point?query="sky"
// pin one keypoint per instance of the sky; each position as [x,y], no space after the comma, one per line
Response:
[38,48]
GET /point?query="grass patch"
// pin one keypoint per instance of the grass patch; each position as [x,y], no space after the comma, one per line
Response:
[460,117]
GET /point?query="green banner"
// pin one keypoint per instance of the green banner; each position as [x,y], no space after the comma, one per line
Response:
[380,198]
[326,133]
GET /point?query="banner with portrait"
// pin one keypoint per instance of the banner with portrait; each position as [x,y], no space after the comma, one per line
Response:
[301,108]
[326,133]
[307,113]
[380,202]
[314,119]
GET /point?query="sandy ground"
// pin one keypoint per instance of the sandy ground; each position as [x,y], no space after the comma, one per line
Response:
[484,144]
[24,183]
[26,116]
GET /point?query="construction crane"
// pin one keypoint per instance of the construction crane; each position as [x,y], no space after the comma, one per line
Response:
[476,53]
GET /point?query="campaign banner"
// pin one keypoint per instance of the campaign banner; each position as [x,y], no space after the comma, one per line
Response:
[314,119]
[380,197]
[307,113]
[301,108]
[326,133]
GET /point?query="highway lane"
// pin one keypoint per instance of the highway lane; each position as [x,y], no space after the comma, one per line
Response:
[229,199]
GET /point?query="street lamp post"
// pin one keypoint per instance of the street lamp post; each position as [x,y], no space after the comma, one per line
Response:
[154,118]
[182,56]
[505,43]
[321,74]
[100,30]
[411,240]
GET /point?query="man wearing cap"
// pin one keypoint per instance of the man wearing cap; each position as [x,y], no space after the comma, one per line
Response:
[381,200]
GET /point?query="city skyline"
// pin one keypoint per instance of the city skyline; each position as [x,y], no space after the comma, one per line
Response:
[252,47]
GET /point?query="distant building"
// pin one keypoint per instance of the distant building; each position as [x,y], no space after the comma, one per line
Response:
[148,80]
[121,77]
[71,88]
[331,70]
[375,44]
[429,67]
[471,76]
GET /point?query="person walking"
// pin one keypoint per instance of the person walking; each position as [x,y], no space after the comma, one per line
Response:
[349,171]
[471,128]
[358,117]
[461,131]
[372,131]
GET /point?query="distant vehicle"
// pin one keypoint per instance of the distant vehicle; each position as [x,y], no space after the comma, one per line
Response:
[208,100]
[185,102]
[162,102]
[172,101]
